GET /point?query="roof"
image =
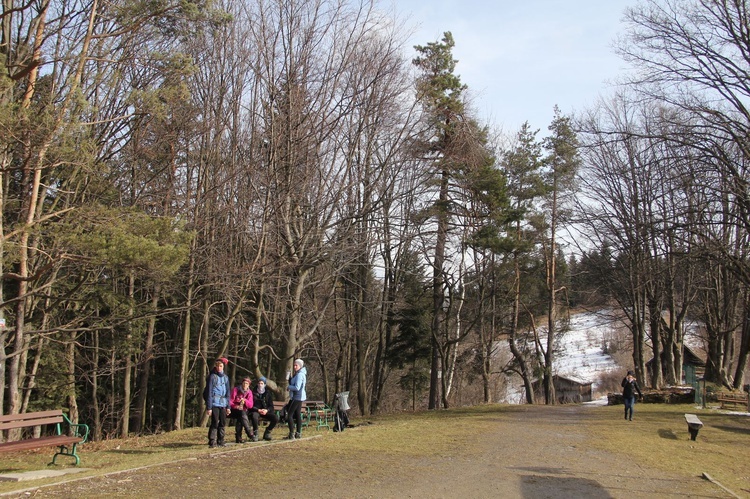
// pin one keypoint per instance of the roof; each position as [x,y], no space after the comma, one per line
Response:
[567,377]
[689,356]
[573,379]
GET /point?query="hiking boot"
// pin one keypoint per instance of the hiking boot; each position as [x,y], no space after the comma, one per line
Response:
[291,436]
[211,445]
[297,436]
[240,440]
[267,435]
[254,438]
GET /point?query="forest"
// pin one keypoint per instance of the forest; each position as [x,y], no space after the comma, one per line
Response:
[262,180]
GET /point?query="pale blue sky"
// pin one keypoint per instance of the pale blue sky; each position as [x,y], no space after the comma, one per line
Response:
[522,57]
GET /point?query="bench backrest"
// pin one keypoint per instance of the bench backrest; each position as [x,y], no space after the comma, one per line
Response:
[12,421]
[733,396]
[307,403]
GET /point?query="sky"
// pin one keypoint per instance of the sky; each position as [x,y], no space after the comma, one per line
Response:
[520,58]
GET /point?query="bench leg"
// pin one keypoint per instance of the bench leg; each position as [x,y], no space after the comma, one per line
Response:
[693,432]
[64,452]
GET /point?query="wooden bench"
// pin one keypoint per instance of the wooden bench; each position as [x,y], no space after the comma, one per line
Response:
[733,400]
[694,425]
[67,443]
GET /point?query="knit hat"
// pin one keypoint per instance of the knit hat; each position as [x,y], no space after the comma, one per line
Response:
[262,379]
[300,363]
[224,360]
[630,373]
[246,379]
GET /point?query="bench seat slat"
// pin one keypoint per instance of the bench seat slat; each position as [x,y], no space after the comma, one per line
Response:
[692,419]
[34,443]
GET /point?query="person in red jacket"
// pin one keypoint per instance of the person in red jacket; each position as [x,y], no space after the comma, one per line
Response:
[241,402]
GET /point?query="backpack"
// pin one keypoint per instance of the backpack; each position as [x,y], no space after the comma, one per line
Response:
[205,389]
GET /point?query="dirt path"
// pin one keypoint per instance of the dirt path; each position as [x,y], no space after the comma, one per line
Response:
[513,459]
[518,463]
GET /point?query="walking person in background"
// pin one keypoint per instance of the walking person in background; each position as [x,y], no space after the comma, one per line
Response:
[629,388]
[263,408]
[242,401]
[297,395]
[217,404]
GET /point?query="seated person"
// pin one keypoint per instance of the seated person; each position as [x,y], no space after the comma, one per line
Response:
[263,408]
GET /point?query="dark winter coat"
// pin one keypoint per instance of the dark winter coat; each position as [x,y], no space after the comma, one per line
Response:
[629,387]
[262,401]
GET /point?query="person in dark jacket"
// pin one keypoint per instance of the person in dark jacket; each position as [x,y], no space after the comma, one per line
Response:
[263,408]
[217,404]
[629,389]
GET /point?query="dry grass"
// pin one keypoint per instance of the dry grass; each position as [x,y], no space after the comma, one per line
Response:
[656,440]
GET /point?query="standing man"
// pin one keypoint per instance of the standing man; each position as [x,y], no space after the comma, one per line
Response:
[629,387]
[217,404]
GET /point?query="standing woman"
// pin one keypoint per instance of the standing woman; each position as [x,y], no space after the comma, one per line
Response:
[217,404]
[297,395]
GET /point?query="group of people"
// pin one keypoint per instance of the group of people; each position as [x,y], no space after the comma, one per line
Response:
[248,406]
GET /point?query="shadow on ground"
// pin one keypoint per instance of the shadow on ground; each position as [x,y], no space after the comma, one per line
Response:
[563,487]
[668,434]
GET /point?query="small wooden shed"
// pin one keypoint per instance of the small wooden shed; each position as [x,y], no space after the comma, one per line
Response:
[568,389]
[693,366]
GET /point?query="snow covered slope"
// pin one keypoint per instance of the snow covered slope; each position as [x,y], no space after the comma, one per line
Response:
[581,353]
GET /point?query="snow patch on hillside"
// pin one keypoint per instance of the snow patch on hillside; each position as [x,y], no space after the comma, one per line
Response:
[580,352]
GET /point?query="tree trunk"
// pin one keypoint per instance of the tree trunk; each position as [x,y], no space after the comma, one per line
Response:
[438,293]
[145,363]
[739,373]
[512,334]
[127,377]
[207,360]
[549,386]
[179,412]
[97,426]
[70,358]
